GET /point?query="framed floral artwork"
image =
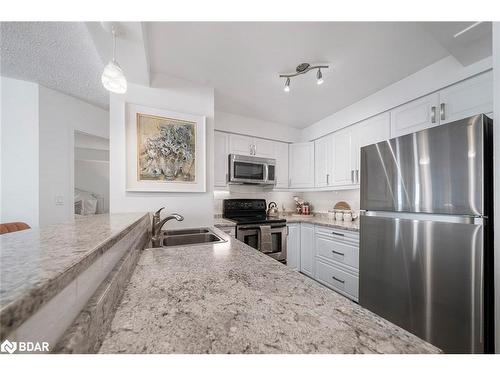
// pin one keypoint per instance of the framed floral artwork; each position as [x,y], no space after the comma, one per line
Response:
[165,150]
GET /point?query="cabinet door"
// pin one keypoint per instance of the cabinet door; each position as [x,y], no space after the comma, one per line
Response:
[301,168]
[240,144]
[323,161]
[221,146]
[293,247]
[467,98]
[416,115]
[281,156]
[264,148]
[373,130]
[343,172]
[307,249]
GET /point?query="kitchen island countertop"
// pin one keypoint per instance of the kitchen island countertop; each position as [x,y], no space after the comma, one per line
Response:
[36,264]
[230,298]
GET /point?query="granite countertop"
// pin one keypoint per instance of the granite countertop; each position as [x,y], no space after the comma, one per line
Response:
[230,298]
[36,264]
[319,219]
[322,219]
[220,222]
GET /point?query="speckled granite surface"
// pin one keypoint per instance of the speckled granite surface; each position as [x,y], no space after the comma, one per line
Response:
[229,298]
[352,226]
[36,264]
[319,219]
[220,222]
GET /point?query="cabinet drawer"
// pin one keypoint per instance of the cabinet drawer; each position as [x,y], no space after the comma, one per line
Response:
[338,251]
[338,234]
[337,279]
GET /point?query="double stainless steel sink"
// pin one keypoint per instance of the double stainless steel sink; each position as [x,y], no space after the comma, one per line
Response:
[193,236]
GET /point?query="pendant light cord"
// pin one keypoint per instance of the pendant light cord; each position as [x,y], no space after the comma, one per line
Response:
[113,32]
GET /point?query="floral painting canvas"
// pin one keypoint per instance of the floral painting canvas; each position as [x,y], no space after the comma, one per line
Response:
[165,149]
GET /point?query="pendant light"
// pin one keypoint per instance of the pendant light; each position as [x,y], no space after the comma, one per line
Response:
[112,77]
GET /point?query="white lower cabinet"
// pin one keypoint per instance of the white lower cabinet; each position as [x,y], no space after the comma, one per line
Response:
[307,249]
[337,260]
[328,255]
[338,279]
[293,247]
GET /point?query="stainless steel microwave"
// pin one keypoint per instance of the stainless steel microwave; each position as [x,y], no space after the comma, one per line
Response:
[251,170]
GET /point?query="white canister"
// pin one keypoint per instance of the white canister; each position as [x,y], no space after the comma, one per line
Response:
[347,216]
[339,216]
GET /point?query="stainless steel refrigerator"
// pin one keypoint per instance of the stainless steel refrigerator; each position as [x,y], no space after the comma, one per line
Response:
[426,234]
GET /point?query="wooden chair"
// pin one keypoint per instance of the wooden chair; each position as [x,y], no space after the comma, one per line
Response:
[13,227]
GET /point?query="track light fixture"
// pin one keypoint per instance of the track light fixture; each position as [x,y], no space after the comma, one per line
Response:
[302,69]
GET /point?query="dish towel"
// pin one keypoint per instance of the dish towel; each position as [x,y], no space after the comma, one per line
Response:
[266,241]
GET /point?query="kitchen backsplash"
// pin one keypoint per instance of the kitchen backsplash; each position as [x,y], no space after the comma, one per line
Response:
[321,201]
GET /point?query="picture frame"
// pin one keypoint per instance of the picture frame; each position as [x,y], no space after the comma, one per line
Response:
[165,150]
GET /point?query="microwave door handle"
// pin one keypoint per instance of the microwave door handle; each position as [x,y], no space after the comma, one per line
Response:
[266,172]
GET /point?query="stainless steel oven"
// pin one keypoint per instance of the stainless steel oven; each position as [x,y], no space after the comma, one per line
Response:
[251,170]
[271,239]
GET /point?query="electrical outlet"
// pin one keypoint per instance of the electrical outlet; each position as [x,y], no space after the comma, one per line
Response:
[59,200]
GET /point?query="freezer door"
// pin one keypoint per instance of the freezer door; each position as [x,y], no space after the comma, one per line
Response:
[426,277]
[437,170]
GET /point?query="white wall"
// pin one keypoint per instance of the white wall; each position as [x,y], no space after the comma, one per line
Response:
[432,78]
[233,123]
[496,134]
[178,96]
[60,116]
[19,151]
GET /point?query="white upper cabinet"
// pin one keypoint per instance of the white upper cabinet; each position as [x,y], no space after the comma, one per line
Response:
[243,145]
[414,116]
[221,151]
[343,173]
[264,148]
[323,161]
[373,130]
[467,98]
[240,144]
[301,161]
[281,156]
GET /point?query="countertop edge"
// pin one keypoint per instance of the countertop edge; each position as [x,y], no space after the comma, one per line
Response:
[16,312]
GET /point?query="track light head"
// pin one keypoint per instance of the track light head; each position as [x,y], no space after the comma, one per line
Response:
[287,85]
[319,77]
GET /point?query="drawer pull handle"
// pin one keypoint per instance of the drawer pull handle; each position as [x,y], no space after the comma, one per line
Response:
[336,252]
[338,234]
[340,281]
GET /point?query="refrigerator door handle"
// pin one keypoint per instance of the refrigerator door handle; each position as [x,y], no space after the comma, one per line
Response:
[433,114]
[476,220]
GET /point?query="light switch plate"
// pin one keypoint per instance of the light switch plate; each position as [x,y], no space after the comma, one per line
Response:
[59,200]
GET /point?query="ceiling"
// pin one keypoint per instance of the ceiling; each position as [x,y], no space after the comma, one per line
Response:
[58,55]
[241,61]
